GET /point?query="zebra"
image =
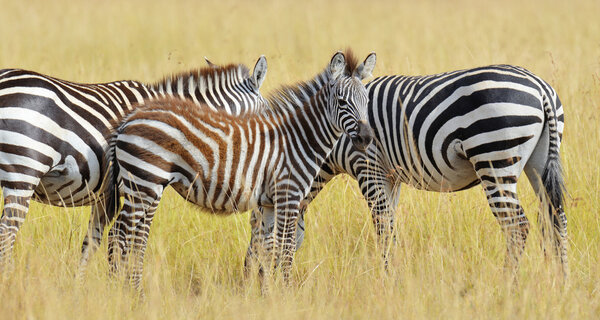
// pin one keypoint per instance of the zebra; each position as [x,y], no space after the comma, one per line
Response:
[449,132]
[228,164]
[54,133]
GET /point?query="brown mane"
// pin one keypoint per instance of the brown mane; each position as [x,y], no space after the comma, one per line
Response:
[351,61]
[288,97]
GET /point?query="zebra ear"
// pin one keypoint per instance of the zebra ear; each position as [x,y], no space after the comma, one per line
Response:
[337,65]
[210,64]
[365,69]
[260,72]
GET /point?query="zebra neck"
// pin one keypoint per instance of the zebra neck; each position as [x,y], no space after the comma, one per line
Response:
[310,127]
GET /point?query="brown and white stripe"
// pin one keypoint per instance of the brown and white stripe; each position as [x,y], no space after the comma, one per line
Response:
[53,134]
[228,164]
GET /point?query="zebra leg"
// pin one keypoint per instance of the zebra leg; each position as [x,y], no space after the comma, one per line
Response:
[129,236]
[501,193]
[382,194]
[16,206]
[262,221]
[284,233]
[93,237]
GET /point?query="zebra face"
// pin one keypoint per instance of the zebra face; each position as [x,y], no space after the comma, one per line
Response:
[349,100]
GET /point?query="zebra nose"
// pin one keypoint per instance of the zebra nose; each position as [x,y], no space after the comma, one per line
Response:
[364,137]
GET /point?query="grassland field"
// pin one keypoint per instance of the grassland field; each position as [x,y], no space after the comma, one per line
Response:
[447,263]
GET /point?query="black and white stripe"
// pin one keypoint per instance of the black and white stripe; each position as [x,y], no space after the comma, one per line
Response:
[53,134]
[451,131]
[230,164]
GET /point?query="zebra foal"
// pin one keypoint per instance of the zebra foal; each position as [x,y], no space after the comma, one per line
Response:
[53,135]
[229,164]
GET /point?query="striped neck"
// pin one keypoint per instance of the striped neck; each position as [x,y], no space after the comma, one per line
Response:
[309,114]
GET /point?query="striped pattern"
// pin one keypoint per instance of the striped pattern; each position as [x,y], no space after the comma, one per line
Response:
[53,134]
[448,132]
[228,164]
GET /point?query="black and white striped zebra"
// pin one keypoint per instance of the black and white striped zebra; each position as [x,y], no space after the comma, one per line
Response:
[53,134]
[230,164]
[451,131]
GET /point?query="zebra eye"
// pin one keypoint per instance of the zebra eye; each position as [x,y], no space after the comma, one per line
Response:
[343,103]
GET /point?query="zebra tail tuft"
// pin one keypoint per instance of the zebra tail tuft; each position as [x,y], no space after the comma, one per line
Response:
[554,183]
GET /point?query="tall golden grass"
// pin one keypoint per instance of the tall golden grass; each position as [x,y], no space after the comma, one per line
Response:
[449,255]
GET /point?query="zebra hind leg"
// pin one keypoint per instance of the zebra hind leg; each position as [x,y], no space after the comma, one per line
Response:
[501,191]
[16,206]
[128,237]
[93,237]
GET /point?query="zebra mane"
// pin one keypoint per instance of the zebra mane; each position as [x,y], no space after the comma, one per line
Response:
[351,62]
[201,78]
[290,97]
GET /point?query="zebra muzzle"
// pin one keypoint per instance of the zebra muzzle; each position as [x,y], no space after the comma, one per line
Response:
[364,136]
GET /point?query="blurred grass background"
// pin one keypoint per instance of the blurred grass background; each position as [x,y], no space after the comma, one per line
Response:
[449,257]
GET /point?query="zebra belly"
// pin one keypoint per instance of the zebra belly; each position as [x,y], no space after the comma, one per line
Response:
[222,200]
[456,174]
[463,177]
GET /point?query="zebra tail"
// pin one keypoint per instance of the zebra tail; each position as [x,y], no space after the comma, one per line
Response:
[553,178]
[113,201]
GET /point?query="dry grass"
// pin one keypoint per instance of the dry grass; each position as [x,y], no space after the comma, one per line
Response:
[449,257]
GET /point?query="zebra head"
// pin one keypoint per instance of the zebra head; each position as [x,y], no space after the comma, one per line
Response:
[348,97]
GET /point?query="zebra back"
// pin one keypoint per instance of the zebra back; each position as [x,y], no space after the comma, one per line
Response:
[60,128]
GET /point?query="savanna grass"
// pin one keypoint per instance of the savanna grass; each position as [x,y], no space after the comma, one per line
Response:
[449,254]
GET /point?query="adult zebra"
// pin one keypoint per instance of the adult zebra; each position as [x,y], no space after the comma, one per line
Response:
[449,132]
[230,164]
[53,134]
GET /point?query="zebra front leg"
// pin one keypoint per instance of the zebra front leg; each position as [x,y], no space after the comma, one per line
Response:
[262,221]
[382,195]
[16,206]
[286,219]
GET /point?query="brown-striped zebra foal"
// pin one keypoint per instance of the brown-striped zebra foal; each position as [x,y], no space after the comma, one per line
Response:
[230,164]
